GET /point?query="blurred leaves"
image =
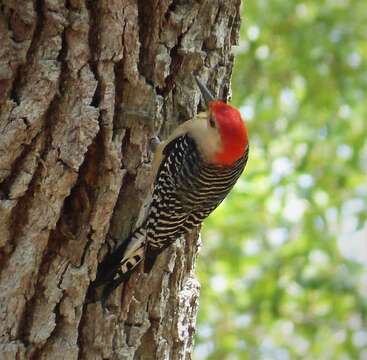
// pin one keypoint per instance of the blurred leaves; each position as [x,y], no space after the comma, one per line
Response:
[283,264]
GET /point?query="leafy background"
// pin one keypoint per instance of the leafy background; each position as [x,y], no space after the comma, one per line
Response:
[284,259]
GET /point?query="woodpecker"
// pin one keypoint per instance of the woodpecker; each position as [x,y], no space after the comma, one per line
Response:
[193,170]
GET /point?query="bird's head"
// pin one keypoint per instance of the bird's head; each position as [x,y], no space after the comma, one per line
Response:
[225,131]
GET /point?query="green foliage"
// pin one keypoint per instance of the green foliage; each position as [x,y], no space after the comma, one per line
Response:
[284,257]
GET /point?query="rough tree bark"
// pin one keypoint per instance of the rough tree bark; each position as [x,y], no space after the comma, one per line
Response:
[84,85]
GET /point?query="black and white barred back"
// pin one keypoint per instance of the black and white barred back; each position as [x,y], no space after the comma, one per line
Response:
[185,192]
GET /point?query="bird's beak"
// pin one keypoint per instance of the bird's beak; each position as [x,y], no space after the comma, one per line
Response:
[207,95]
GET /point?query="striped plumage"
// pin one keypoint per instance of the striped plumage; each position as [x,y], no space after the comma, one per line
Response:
[194,170]
[186,191]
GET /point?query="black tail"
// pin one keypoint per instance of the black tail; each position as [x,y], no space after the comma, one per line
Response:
[104,284]
[112,271]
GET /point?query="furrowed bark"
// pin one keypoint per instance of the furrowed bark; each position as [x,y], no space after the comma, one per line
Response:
[84,86]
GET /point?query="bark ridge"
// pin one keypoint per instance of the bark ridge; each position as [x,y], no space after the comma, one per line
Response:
[84,85]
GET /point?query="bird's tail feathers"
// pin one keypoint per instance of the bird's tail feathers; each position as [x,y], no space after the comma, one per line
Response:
[117,266]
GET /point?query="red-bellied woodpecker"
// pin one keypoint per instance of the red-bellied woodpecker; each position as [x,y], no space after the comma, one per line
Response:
[194,169]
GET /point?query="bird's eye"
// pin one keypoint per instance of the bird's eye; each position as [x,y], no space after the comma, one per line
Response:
[212,122]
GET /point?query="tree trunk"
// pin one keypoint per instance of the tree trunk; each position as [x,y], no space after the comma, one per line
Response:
[84,85]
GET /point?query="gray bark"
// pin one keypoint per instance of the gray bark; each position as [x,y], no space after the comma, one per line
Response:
[84,85]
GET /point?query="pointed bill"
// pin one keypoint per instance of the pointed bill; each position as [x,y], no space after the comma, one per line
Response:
[207,95]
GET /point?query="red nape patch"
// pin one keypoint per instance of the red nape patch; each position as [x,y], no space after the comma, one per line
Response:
[232,130]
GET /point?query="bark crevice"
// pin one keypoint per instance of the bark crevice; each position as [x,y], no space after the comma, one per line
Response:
[84,85]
